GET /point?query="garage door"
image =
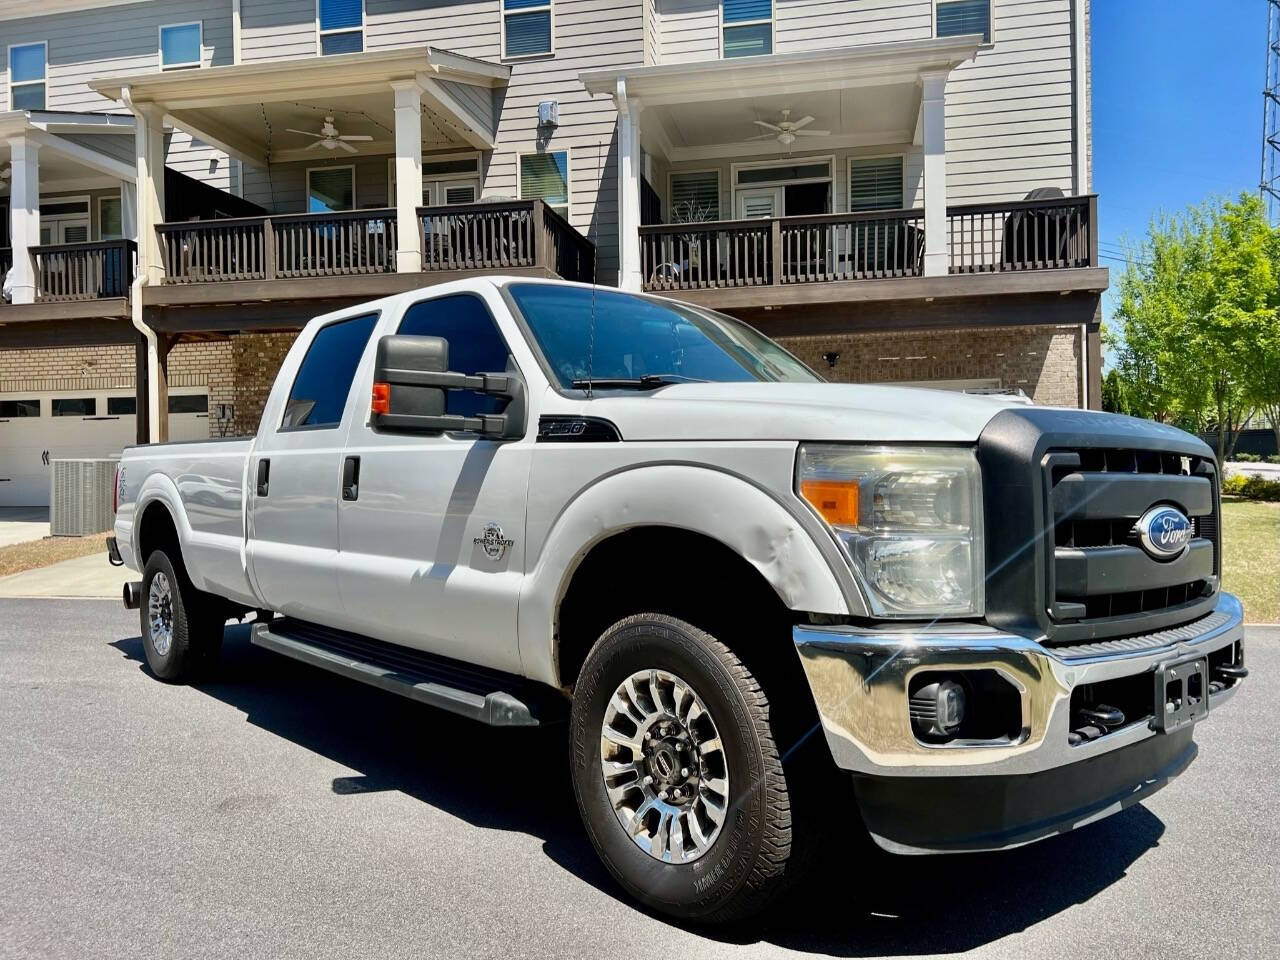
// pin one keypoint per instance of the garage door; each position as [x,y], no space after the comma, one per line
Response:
[36,428]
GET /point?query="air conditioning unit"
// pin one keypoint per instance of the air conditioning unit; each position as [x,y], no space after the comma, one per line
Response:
[81,498]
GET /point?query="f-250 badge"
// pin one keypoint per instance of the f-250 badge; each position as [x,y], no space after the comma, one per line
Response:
[493,542]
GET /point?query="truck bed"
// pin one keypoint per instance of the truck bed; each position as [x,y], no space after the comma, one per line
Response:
[208,478]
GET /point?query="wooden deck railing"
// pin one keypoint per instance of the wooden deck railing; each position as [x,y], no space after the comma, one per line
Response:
[1020,235]
[1056,234]
[498,236]
[481,236]
[84,271]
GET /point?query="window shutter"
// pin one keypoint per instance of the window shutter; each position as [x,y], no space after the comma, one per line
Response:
[959,17]
[695,197]
[875,184]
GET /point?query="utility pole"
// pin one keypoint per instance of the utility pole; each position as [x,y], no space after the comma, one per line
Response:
[1269,184]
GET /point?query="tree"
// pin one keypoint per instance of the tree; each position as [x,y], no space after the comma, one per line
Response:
[1198,309]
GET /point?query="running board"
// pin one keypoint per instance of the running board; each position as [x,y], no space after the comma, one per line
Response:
[490,696]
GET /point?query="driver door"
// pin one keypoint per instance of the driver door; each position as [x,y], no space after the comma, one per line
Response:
[432,549]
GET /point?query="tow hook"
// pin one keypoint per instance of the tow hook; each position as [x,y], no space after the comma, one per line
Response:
[132,594]
[1099,720]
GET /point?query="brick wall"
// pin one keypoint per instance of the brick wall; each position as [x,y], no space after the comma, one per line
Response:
[1043,361]
[256,358]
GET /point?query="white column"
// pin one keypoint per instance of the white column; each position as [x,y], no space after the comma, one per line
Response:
[933,124]
[408,175]
[629,272]
[24,216]
[149,153]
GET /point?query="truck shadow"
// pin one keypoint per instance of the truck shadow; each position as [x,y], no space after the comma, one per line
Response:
[860,902]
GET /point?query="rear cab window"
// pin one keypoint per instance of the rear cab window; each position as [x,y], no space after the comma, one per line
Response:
[320,389]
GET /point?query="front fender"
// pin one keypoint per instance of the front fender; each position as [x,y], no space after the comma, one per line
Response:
[716,504]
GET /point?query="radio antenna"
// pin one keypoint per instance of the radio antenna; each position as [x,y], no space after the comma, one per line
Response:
[595,270]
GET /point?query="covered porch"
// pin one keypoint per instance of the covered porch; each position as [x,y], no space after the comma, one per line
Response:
[815,177]
[369,168]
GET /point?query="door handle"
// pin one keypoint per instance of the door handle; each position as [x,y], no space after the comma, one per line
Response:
[264,477]
[351,478]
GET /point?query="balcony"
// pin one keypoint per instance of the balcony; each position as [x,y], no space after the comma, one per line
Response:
[768,254]
[523,236]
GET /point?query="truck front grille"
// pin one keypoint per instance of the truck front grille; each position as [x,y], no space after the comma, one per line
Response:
[1065,490]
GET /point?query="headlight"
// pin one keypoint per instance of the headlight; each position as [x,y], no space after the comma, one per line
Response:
[909,520]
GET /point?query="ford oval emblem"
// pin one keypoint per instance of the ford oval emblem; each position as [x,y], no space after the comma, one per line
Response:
[1164,532]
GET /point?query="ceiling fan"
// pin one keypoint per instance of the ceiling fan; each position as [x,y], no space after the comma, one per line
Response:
[329,138]
[786,130]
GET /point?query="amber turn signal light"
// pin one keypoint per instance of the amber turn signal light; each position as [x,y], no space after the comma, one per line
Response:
[381,398]
[836,501]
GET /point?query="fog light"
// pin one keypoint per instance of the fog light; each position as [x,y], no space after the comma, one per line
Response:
[937,710]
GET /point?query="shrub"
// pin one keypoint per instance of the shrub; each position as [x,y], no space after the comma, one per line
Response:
[1251,487]
[1273,458]
[1247,458]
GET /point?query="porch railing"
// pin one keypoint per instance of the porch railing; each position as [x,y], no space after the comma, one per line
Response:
[782,250]
[1020,235]
[84,271]
[498,236]
[481,236]
[267,248]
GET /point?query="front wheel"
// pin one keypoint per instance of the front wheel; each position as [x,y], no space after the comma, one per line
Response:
[181,632]
[677,771]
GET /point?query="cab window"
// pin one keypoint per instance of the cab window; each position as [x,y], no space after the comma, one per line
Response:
[320,389]
[475,345]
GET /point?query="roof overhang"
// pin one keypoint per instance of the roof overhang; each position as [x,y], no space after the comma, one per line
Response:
[781,73]
[866,95]
[46,128]
[194,99]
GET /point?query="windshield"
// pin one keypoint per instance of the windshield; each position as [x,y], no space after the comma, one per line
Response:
[646,342]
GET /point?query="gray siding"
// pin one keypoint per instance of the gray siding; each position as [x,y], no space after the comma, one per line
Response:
[479,101]
[1009,111]
[277,29]
[117,41]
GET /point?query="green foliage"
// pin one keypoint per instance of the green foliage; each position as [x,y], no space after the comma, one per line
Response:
[1247,458]
[1249,487]
[1198,342]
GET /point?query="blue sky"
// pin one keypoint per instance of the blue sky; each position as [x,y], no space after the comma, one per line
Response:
[1177,107]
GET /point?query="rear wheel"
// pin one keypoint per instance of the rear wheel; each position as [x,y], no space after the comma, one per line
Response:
[677,771]
[181,629]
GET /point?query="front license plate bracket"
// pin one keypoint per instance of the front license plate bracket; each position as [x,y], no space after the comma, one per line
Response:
[1181,694]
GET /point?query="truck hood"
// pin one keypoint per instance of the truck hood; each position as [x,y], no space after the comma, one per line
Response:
[797,411]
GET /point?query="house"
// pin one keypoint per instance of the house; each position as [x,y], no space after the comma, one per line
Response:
[897,190]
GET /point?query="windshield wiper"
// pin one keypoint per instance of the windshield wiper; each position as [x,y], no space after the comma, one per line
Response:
[648,382]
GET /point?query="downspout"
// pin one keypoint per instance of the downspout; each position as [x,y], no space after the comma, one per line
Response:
[135,301]
[1079,29]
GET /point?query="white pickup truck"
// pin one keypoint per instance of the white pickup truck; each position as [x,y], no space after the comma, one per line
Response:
[745,589]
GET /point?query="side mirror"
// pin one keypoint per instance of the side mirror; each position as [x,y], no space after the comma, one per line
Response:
[411,384]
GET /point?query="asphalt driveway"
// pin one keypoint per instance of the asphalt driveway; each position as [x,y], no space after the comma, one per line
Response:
[281,812]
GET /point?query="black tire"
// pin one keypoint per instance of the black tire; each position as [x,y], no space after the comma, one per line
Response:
[196,639]
[756,855]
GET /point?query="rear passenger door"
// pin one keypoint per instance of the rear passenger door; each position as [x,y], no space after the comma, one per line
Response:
[432,542]
[295,475]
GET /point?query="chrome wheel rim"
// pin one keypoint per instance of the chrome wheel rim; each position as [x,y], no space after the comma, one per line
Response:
[664,766]
[160,613]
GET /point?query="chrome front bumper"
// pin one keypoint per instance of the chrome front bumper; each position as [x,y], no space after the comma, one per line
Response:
[859,679]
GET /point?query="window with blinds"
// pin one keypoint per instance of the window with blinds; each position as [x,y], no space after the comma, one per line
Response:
[695,196]
[956,18]
[330,189]
[27,63]
[875,183]
[747,27]
[545,176]
[341,24]
[526,28]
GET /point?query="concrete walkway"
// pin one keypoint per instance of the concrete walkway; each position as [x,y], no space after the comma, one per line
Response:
[20,524]
[89,576]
